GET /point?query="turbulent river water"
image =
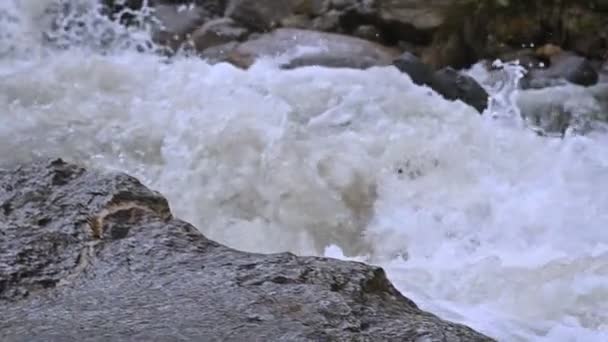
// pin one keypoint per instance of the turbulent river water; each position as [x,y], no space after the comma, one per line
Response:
[476,218]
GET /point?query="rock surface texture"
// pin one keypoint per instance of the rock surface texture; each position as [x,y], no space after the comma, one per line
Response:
[92,256]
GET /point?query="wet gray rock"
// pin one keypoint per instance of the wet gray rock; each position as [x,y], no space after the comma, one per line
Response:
[87,255]
[454,85]
[217,32]
[564,67]
[419,72]
[450,83]
[306,48]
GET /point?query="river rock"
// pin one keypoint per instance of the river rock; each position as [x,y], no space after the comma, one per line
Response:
[450,83]
[419,72]
[87,255]
[564,67]
[217,32]
[454,85]
[176,22]
[307,47]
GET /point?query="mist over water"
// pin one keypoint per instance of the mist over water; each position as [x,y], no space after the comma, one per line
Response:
[476,218]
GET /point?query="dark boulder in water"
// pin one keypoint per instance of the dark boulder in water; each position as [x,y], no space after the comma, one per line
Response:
[87,255]
[450,83]
[453,85]
[419,72]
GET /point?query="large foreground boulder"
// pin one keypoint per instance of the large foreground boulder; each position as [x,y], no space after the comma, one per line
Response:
[90,256]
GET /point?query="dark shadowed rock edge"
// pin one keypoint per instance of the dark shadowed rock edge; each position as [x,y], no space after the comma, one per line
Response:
[92,256]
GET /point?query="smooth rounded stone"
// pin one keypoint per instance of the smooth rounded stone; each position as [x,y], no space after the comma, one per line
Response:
[217,32]
[450,83]
[564,67]
[95,256]
[307,47]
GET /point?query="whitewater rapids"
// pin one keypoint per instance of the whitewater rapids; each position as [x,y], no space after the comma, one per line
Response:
[476,218]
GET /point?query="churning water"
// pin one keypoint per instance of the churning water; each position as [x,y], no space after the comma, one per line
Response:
[476,218]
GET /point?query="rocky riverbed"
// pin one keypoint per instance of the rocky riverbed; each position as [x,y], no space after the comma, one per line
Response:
[557,43]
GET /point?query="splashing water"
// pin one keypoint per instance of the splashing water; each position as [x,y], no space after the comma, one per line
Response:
[474,217]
